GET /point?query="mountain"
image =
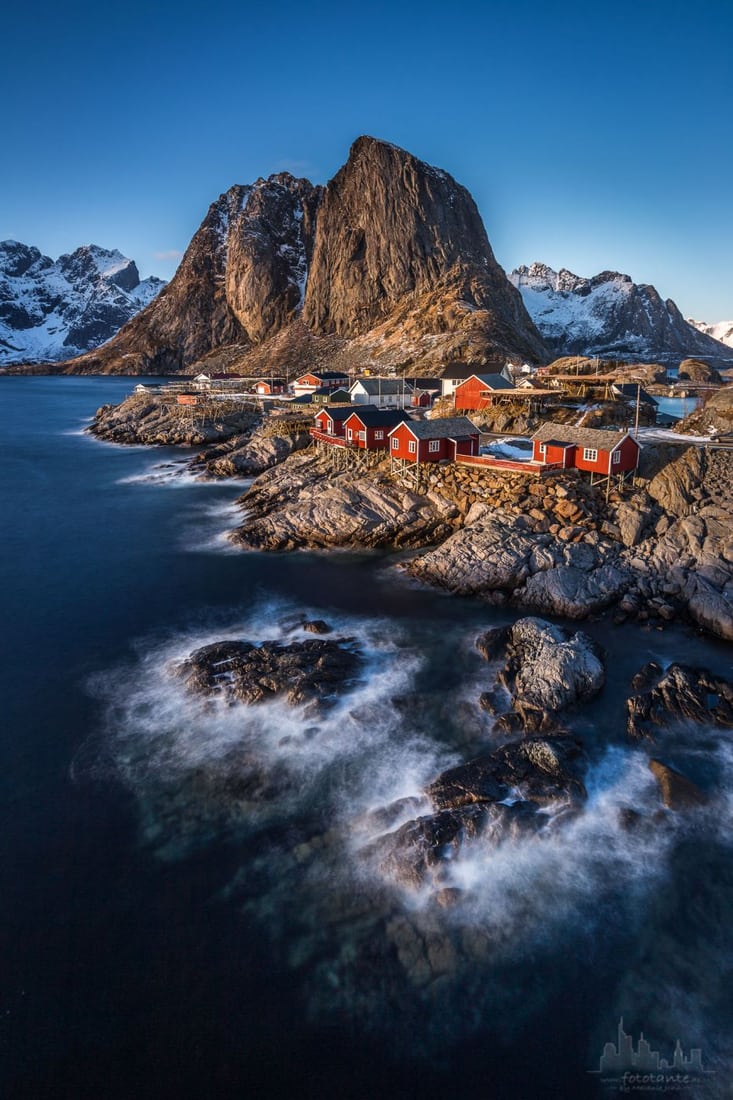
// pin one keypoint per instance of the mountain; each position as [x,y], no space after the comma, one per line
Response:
[52,309]
[608,315]
[721,330]
[388,265]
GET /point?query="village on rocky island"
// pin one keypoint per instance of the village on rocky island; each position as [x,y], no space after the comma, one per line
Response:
[554,489]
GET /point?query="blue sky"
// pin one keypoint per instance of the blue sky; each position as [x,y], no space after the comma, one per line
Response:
[592,136]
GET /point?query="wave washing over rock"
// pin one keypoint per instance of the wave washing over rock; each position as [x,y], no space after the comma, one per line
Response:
[381,918]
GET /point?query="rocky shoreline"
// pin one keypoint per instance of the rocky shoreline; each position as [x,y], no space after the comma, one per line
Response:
[661,551]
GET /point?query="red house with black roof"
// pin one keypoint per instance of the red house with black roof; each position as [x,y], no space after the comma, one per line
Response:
[591,449]
[369,428]
[316,380]
[331,419]
[434,440]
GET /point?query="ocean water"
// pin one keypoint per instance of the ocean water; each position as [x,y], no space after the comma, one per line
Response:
[188,907]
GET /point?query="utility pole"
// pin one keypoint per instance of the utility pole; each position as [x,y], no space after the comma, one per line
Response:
[638,407]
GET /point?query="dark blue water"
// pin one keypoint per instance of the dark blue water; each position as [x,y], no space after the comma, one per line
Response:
[153,948]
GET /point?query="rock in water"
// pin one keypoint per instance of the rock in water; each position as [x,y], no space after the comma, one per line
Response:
[547,670]
[678,792]
[303,672]
[545,771]
[494,799]
[679,694]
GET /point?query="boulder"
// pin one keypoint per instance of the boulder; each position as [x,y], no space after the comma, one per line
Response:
[303,672]
[680,693]
[548,670]
[545,771]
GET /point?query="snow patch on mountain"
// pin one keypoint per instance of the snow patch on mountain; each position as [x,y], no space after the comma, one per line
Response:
[56,309]
[721,330]
[607,315]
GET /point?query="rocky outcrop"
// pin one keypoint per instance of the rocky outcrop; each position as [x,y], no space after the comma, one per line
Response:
[515,791]
[50,309]
[546,671]
[141,418]
[305,504]
[390,264]
[269,444]
[679,693]
[608,315]
[497,553]
[714,418]
[401,252]
[315,671]
[241,279]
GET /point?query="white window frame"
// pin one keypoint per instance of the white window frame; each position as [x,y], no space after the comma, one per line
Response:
[362,435]
[349,434]
[395,444]
[543,449]
[379,434]
[434,445]
[412,447]
[616,458]
[590,454]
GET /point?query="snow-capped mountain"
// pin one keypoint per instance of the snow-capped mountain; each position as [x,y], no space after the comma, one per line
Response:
[721,330]
[608,315]
[54,309]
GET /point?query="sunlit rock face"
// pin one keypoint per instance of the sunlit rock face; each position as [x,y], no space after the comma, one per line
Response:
[389,264]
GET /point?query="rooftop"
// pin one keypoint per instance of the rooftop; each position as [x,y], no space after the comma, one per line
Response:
[600,438]
[383,386]
[378,418]
[449,427]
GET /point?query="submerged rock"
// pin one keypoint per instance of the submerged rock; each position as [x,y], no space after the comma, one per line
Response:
[678,792]
[494,799]
[421,850]
[681,693]
[309,671]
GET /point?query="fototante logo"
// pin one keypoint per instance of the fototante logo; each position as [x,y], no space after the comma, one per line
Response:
[629,1068]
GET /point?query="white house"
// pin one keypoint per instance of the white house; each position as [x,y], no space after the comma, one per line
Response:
[385,393]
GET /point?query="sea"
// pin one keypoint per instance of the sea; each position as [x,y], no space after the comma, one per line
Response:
[187,903]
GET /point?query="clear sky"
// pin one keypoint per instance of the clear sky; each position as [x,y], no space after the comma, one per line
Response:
[592,135]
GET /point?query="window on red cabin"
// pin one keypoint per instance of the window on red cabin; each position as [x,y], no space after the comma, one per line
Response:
[362,435]
[395,444]
[379,435]
[616,458]
[590,454]
[412,446]
[434,445]
[543,448]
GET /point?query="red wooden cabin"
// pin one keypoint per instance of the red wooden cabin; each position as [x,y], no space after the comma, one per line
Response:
[266,387]
[434,440]
[328,379]
[477,392]
[591,449]
[369,428]
[331,419]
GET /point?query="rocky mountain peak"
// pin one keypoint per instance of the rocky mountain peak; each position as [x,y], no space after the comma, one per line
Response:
[389,263]
[607,315]
[51,309]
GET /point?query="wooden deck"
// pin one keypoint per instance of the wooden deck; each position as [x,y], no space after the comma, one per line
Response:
[488,462]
